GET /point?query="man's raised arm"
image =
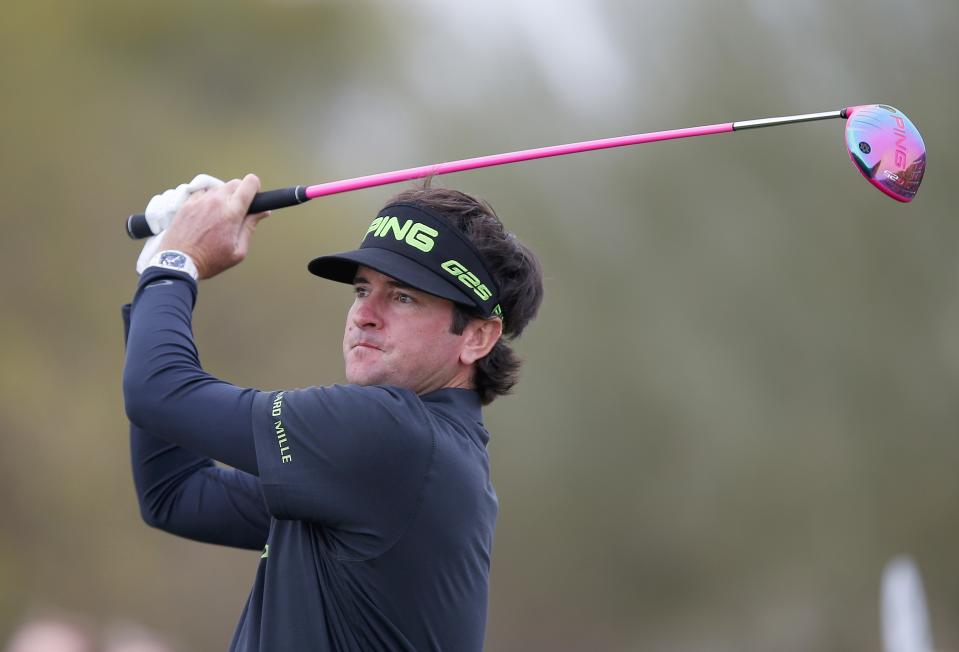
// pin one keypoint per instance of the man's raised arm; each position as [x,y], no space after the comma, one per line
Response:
[186,494]
[166,391]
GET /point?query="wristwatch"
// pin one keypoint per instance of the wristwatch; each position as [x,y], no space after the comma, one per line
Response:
[175,260]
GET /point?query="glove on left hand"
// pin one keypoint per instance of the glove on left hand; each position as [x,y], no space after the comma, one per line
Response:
[161,209]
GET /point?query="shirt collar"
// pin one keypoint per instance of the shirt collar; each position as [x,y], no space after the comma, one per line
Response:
[459,403]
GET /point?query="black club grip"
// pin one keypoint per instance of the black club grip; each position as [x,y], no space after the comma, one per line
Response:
[137,227]
[270,199]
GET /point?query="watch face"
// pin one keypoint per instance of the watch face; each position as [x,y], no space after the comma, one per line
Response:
[173,259]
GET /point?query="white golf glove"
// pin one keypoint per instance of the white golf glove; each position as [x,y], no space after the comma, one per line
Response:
[161,209]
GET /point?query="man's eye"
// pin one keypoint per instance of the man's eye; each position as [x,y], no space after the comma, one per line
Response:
[404,298]
[361,291]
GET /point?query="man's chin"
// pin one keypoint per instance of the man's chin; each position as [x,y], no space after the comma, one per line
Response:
[365,377]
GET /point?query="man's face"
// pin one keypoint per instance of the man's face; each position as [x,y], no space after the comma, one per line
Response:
[396,335]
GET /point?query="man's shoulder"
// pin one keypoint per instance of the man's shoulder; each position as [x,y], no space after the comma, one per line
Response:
[384,397]
[362,398]
[358,408]
[373,408]
[347,392]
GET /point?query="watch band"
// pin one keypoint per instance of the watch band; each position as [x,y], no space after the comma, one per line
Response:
[175,260]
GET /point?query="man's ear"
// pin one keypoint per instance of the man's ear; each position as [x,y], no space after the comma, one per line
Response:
[479,338]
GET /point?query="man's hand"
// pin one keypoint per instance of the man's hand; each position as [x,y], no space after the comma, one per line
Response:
[212,226]
[161,209]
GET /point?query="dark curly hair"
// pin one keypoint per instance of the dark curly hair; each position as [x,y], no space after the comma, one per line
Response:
[514,267]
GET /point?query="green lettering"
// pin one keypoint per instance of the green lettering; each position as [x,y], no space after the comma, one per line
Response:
[468,278]
[421,237]
[398,232]
[375,224]
[482,292]
[453,267]
[282,441]
[415,234]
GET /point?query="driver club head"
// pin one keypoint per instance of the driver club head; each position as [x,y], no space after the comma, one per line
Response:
[886,148]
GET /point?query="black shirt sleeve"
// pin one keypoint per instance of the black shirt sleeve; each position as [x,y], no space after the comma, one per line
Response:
[186,494]
[354,459]
[165,389]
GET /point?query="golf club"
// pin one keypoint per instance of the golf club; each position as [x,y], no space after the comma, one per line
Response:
[882,142]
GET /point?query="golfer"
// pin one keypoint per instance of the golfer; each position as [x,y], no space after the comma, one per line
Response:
[371,502]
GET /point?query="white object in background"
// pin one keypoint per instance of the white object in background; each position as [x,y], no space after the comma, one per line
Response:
[905,618]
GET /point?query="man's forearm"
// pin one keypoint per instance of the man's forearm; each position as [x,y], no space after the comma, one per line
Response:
[157,463]
[165,389]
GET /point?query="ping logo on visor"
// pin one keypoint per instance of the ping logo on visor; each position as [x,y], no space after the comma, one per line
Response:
[415,234]
[429,240]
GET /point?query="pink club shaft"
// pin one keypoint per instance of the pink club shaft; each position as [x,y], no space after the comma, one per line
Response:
[384,178]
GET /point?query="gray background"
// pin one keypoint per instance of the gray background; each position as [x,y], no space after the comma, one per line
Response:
[739,400]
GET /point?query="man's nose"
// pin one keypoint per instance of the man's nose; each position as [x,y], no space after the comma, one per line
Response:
[366,313]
